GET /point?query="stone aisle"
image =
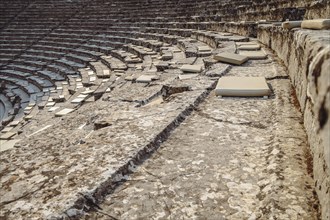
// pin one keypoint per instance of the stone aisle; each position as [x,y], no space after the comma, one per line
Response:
[233,158]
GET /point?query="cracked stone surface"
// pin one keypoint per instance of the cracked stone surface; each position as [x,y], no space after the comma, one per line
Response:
[160,151]
[246,160]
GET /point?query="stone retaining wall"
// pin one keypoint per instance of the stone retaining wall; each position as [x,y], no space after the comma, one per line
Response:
[306,54]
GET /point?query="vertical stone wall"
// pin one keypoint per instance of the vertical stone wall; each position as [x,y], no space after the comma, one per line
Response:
[306,54]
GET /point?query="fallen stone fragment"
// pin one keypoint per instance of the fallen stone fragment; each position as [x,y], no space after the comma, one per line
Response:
[291,24]
[146,78]
[191,68]
[317,24]
[7,135]
[130,78]
[249,47]
[64,112]
[254,55]
[6,129]
[231,58]
[187,76]
[13,123]
[242,86]
[52,109]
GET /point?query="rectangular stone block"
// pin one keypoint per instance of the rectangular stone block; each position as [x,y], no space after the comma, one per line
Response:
[254,55]
[64,112]
[187,76]
[191,68]
[7,136]
[317,24]
[231,58]
[249,47]
[145,78]
[291,24]
[242,86]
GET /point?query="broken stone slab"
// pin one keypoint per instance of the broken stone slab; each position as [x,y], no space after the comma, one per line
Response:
[167,56]
[7,136]
[6,129]
[242,86]
[64,112]
[50,104]
[231,58]
[52,109]
[191,68]
[254,55]
[130,78]
[28,117]
[106,73]
[87,92]
[77,100]
[7,145]
[187,76]
[249,47]
[13,123]
[317,24]
[146,78]
[291,24]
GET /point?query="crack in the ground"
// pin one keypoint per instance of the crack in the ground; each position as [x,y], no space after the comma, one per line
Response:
[83,205]
[277,77]
[249,124]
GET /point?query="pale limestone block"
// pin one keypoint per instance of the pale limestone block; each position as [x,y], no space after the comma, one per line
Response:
[191,68]
[317,24]
[231,58]
[64,112]
[249,47]
[187,76]
[145,78]
[242,86]
[7,136]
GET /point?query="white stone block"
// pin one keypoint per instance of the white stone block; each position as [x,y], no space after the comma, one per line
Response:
[191,68]
[242,86]
[64,112]
[231,58]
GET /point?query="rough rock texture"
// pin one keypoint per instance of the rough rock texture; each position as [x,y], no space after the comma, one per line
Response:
[246,160]
[318,9]
[47,173]
[306,54]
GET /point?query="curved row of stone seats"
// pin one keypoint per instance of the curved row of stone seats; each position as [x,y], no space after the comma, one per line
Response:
[34,79]
[10,105]
[10,9]
[19,95]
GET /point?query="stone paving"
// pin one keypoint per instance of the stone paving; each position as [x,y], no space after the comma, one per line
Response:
[217,158]
[234,158]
